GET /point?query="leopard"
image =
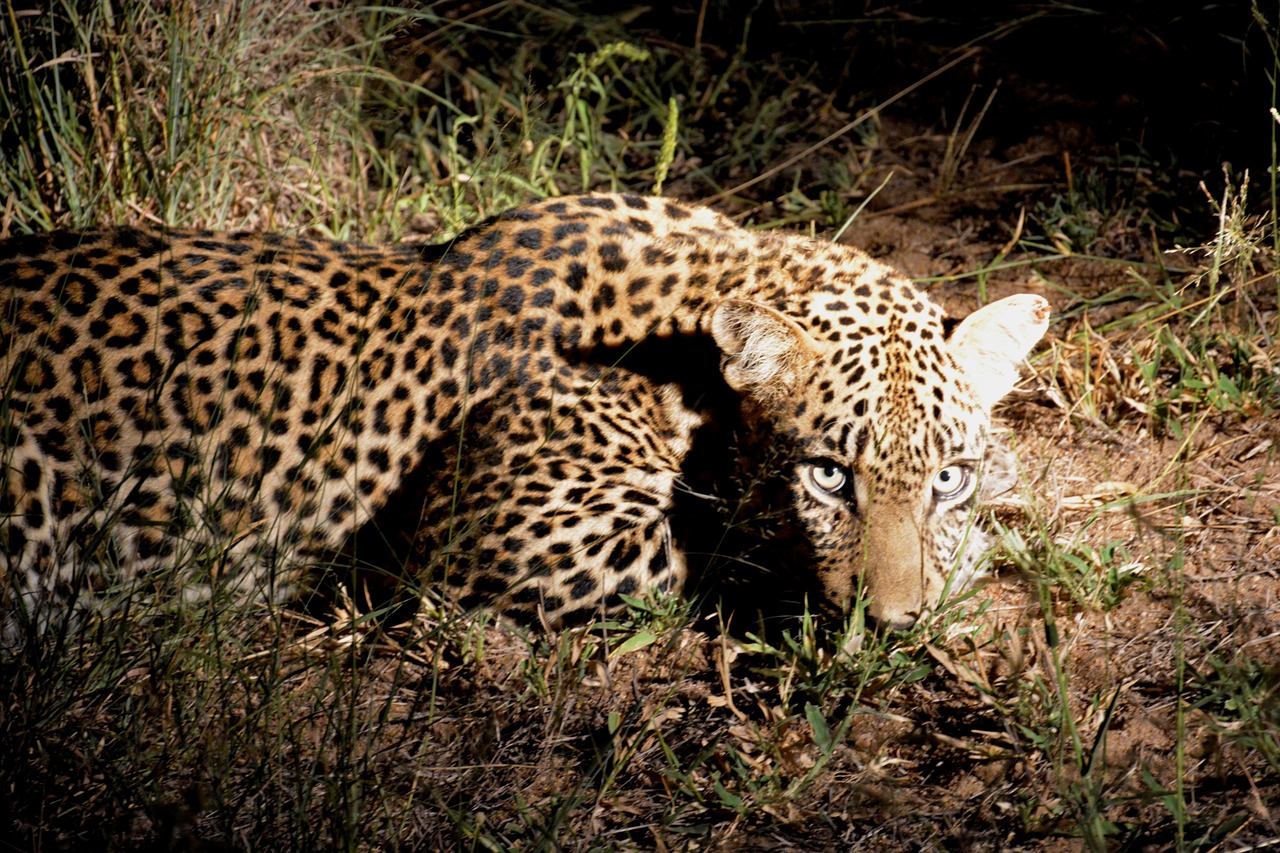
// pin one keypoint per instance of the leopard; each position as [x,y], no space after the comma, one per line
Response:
[578,403]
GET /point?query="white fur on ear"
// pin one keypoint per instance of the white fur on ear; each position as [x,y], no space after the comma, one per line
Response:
[991,342]
[762,348]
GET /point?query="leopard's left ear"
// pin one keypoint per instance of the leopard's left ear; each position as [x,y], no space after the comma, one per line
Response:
[991,342]
[763,349]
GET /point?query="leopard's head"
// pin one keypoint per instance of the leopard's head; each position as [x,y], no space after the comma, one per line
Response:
[882,419]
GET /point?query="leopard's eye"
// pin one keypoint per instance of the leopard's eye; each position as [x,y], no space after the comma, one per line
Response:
[952,482]
[827,476]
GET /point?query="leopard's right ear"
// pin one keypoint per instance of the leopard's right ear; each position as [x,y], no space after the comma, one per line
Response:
[991,342]
[763,349]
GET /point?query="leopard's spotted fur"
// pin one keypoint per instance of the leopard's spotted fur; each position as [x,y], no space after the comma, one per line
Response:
[536,410]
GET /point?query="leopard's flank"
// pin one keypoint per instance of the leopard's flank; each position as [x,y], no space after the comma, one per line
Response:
[584,398]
